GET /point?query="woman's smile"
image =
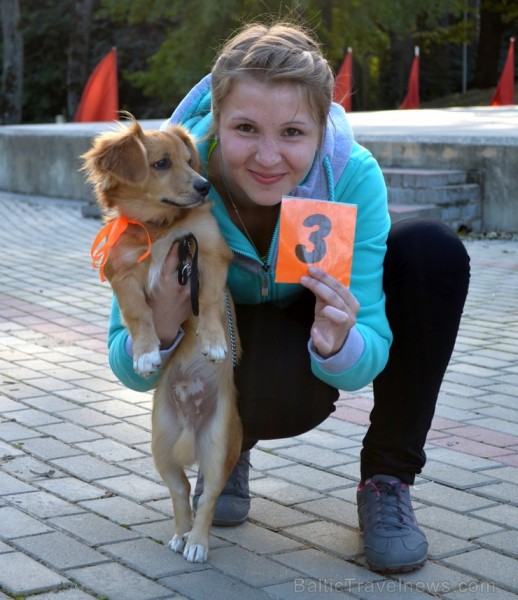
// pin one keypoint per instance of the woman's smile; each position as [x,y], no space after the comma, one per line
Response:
[265,178]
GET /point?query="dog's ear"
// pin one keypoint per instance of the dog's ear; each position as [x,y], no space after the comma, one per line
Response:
[188,140]
[120,155]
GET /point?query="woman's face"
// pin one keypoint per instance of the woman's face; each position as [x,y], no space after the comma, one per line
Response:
[268,140]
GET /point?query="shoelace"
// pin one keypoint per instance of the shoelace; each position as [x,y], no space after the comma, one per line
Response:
[390,510]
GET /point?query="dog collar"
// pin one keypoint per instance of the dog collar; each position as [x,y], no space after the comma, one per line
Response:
[112,232]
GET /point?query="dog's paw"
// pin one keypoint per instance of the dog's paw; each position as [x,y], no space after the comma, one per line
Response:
[214,351]
[147,364]
[196,553]
[178,543]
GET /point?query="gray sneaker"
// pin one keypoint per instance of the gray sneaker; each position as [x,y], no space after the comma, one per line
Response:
[233,504]
[393,541]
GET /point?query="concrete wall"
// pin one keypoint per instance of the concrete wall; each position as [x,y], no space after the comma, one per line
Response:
[480,140]
[44,159]
[494,166]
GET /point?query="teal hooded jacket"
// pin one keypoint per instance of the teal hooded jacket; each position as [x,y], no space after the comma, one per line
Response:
[343,171]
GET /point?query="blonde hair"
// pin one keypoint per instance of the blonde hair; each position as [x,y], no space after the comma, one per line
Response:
[282,53]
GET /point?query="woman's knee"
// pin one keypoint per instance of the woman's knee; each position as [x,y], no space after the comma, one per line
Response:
[427,246]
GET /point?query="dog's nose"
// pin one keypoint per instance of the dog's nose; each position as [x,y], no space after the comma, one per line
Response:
[202,186]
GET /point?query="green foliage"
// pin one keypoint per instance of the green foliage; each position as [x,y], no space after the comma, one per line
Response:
[166,46]
[508,9]
[134,12]
[185,55]
[45,25]
[369,26]
[196,30]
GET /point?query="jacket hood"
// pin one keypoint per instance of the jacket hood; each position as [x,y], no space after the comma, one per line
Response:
[193,112]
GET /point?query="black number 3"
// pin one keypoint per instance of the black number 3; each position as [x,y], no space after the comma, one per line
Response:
[316,238]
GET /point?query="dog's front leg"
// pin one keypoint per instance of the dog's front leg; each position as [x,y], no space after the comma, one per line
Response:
[138,317]
[212,319]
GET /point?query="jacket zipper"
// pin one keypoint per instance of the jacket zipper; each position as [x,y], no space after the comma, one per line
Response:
[263,267]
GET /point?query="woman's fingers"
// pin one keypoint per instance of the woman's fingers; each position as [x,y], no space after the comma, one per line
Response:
[337,316]
[329,290]
[335,311]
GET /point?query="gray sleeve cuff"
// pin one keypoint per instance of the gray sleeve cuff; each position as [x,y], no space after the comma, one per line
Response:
[345,358]
[164,354]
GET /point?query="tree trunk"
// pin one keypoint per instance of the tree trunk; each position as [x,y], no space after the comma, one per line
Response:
[395,71]
[492,29]
[78,49]
[12,72]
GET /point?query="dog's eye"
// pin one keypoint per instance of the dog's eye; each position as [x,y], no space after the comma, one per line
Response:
[163,163]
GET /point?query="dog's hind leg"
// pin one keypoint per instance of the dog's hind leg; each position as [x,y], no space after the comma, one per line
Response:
[197,547]
[179,489]
[216,466]
[165,439]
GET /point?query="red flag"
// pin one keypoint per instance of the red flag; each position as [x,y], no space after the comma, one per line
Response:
[412,98]
[504,93]
[100,99]
[344,82]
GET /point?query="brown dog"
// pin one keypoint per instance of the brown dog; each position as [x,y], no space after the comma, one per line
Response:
[148,185]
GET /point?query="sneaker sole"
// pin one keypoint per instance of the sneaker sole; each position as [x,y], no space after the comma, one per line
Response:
[226,522]
[394,570]
[217,523]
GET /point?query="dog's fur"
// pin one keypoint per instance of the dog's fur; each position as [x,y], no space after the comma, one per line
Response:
[152,176]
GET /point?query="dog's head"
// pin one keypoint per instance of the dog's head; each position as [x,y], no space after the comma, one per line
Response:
[145,174]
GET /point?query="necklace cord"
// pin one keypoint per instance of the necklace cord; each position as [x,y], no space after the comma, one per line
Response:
[264,259]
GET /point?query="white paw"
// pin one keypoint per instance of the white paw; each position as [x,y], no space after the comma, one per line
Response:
[196,553]
[147,364]
[214,352]
[177,543]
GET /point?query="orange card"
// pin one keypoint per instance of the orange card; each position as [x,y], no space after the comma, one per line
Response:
[315,232]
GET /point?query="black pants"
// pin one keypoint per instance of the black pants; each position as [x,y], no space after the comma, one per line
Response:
[426,277]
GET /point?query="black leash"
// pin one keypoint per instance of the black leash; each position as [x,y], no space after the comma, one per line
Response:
[188,249]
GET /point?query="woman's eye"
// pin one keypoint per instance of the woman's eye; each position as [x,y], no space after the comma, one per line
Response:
[292,132]
[163,163]
[245,127]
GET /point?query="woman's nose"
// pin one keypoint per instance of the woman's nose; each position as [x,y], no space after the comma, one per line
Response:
[268,152]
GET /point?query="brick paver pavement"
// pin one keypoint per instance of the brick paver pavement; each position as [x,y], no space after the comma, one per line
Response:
[83,514]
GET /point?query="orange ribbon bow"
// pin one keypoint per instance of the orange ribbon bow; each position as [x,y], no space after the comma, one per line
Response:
[112,232]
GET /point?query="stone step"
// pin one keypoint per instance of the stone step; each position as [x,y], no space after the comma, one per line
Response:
[444,195]
[422,178]
[401,212]
[450,195]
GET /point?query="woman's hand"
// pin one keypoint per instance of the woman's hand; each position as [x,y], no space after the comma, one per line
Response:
[335,311]
[171,302]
